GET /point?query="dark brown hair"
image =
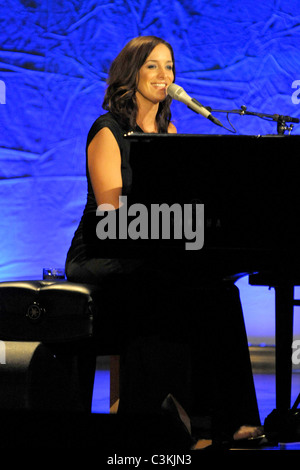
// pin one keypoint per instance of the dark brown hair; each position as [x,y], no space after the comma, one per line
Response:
[120,96]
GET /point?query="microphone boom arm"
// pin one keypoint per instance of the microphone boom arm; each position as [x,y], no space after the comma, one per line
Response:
[280,119]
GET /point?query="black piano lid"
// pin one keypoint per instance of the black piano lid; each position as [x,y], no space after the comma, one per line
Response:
[249,184]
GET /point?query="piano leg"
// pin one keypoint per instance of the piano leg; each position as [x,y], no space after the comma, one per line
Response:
[283,423]
[284,304]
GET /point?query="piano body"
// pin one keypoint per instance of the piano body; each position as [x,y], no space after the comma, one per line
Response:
[250,189]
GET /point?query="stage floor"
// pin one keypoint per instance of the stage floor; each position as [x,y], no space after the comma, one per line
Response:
[264,378]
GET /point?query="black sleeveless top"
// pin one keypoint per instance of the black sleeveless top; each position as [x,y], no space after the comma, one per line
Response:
[79,250]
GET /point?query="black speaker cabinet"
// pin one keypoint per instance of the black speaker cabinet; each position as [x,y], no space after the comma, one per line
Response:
[33,378]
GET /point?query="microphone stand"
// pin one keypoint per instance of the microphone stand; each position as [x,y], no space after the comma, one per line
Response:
[281,120]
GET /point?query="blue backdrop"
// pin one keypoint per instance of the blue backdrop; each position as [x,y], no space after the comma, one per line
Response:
[54,58]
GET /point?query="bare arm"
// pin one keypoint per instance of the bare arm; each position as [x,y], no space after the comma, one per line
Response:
[104,164]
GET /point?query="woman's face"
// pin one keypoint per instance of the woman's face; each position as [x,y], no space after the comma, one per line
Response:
[155,75]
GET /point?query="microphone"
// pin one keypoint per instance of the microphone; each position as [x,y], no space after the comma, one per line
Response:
[178,93]
[278,117]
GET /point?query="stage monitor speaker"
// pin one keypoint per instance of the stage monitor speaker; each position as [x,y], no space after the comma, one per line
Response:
[33,379]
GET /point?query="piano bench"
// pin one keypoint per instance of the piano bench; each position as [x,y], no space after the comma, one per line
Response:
[47,331]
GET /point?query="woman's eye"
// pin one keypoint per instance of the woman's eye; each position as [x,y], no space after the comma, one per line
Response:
[153,66]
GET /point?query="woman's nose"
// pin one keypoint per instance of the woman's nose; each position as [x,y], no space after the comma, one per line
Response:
[162,72]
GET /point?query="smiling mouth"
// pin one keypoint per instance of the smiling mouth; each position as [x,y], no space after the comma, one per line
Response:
[159,85]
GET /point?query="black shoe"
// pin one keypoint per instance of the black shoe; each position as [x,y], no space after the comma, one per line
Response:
[179,421]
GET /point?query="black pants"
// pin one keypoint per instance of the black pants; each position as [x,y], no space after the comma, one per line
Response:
[185,335]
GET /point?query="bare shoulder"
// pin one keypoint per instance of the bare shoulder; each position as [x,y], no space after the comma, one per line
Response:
[172,129]
[103,137]
[104,151]
[104,165]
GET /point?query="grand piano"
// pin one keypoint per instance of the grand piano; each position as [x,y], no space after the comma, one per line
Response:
[250,189]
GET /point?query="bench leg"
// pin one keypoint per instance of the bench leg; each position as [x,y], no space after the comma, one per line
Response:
[114,383]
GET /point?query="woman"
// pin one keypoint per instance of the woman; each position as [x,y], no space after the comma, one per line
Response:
[136,100]
[167,356]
